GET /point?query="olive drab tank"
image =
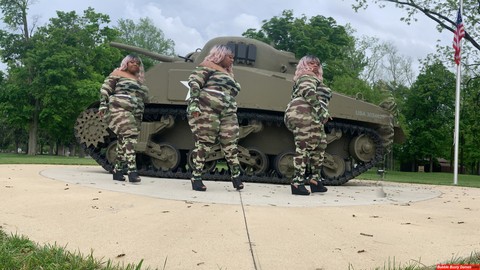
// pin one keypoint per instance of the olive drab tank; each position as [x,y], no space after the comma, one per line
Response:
[359,134]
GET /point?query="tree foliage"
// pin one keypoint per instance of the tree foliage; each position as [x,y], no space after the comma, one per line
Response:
[69,77]
[15,16]
[429,112]
[15,46]
[383,63]
[469,128]
[60,73]
[146,35]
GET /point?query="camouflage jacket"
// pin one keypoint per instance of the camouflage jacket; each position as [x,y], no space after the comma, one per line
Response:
[315,93]
[126,93]
[209,78]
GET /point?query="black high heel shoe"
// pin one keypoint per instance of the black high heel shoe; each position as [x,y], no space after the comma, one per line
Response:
[317,186]
[299,189]
[198,185]
[118,176]
[237,183]
[133,177]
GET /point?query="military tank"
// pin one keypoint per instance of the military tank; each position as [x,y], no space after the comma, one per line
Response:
[359,135]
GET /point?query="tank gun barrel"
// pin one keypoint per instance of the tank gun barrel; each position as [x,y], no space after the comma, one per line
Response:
[153,55]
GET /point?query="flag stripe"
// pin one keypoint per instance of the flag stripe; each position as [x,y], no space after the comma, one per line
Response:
[458,35]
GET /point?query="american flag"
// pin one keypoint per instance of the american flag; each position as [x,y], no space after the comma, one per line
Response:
[459,34]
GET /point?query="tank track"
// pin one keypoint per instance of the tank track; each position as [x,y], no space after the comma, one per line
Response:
[153,113]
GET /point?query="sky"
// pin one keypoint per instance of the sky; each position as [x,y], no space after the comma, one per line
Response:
[190,24]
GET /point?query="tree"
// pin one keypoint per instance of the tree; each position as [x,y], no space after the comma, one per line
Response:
[469,128]
[444,13]
[15,16]
[6,130]
[429,111]
[16,113]
[69,77]
[64,66]
[15,46]
[383,63]
[145,35]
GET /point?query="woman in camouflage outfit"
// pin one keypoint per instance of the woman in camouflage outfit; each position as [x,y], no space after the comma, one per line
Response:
[123,95]
[305,116]
[212,113]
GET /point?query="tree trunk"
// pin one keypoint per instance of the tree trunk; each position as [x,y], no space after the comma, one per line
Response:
[17,146]
[462,142]
[60,149]
[51,147]
[33,132]
[81,152]
[72,149]
[431,164]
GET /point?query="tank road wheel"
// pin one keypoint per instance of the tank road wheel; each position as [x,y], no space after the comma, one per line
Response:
[209,165]
[362,148]
[258,163]
[111,152]
[334,167]
[90,128]
[170,158]
[283,164]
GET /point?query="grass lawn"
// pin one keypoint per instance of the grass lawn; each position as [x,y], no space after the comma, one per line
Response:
[18,252]
[435,178]
[6,158]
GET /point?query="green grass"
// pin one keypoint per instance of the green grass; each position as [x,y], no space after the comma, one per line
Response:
[435,178]
[6,158]
[18,252]
[472,259]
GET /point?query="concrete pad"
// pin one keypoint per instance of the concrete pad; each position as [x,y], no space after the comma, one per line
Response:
[169,226]
[352,193]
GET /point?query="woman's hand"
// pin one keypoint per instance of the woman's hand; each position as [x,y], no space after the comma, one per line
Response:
[325,120]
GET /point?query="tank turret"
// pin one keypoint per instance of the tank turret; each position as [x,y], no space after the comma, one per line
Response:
[359,135]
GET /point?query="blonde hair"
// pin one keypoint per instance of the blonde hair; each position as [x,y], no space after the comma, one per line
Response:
[141,71]
[218,53]
[303,67]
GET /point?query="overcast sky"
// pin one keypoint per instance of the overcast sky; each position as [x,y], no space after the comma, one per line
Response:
[191,23]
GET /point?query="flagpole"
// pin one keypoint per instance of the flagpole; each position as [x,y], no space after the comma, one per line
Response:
[457,120]
[457,116]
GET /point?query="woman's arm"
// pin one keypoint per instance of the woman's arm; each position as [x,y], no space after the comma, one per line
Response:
[196,81]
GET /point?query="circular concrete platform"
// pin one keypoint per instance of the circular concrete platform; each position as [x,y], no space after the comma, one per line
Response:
[354,192]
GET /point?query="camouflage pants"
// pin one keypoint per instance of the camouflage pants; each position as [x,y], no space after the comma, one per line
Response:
[216,124]
[126,126]
[310,144]
[126,157]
